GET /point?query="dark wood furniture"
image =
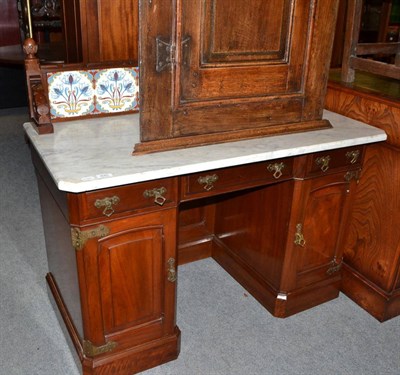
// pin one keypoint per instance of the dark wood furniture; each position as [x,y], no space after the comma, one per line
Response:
[276,226]
[213,71]
[371,268]
[355,53]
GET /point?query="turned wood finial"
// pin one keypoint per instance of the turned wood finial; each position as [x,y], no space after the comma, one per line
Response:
[30,48]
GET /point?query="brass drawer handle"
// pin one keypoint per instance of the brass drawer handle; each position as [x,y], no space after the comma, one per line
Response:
[158,194]
[323,162]
[208,181]
[299,236]
[107,203]
[171,270]
[353,156]
[277,168]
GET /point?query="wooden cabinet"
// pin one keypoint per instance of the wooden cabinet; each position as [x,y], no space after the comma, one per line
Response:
[277,227]
[216,70]
[127,272]
[371,269]
[114,281]
[284,242]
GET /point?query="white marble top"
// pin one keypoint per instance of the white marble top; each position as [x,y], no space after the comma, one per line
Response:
[92,154]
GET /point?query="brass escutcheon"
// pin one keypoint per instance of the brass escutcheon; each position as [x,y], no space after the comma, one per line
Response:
[208,181]
[323,162]
[352,175]
[299,237]
[353,156]
[158,194]
[171,270]
[277,169]
[107,204]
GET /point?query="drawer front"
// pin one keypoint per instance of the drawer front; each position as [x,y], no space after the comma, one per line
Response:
[335,160]
[223,180]
[107,203]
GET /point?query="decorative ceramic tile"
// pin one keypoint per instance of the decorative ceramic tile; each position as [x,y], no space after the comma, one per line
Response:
[70,93]
[117,90]
[93,92]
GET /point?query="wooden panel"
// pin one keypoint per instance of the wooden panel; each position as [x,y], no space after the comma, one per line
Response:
[367,107]
[233,32]
[324,220]
[131,270]
[10,33]
[110,30]
[373,245]
[196,230]
[253,226]
[243,69]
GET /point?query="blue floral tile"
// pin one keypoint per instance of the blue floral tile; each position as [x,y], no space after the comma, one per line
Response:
[117,90]
[71,94]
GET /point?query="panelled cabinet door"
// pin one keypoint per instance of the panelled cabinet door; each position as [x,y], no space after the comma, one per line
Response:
[233,65]
[321,230]
[130,280]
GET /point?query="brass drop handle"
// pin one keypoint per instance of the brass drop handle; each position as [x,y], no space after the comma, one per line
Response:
[208,181]
[107,203]
[299,236]
[277,169]
[353,156]
[171,270]
[323,162]
[158,194]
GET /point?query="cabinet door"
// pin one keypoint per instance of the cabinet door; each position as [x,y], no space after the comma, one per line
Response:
[129,278]
[321,228]
[236,64]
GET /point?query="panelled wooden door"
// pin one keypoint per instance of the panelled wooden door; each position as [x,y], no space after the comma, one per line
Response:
[235,64]
[131,296]
[323,225]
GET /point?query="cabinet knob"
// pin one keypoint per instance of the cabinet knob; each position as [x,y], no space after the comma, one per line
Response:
[299,236]
[208,181]
[107,203]
[323,162]
[277,169]
[171,270]
[158,194]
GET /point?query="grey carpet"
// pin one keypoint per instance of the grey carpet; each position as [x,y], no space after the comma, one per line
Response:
[224,330]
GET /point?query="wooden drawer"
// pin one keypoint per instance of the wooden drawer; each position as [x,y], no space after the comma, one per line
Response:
[332,161]
[224,180]
[127,199]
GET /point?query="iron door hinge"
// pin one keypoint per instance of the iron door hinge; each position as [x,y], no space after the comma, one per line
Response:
[166,52]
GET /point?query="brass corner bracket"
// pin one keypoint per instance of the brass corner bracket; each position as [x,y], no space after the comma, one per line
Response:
[91,350]
[79,237]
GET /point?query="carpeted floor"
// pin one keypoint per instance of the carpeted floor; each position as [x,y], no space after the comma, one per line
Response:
[224,330]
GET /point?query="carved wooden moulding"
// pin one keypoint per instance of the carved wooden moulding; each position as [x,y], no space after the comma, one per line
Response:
[221,70]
